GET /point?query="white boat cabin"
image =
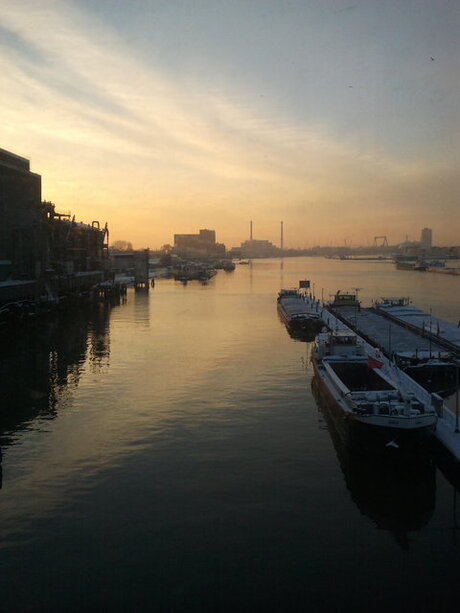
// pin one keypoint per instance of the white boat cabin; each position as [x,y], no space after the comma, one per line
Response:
[288,293]
[339,344]
[392,302]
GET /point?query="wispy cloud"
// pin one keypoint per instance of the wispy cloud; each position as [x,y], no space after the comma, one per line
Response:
[76,91]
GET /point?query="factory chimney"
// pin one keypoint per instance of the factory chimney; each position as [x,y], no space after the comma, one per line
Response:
[282,237]
[250,230]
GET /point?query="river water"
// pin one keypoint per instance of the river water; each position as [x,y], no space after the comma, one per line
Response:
[168,454]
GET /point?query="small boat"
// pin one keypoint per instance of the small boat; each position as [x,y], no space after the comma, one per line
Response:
[405,262]
[372,405]
[421,265]
[228,265]
[194,271]
[301,318]
[388,303]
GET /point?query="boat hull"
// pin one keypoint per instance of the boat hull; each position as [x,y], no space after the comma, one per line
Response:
[405,265]
[370,437]
[300,327]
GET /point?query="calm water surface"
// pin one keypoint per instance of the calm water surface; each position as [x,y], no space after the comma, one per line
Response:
[168,455]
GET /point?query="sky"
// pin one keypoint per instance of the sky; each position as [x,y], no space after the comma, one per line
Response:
[338,117]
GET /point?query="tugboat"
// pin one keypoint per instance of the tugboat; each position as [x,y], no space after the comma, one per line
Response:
[371,407]
[302,320]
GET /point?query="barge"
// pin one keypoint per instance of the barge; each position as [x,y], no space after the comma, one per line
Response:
[302,319]
[371,407]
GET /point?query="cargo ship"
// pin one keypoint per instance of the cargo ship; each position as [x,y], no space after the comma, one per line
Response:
[372,406]
[302,318]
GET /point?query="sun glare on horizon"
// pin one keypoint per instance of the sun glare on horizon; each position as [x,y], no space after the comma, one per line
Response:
[159,119]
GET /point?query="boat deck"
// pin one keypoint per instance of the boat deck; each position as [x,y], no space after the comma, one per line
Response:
[388,335]
[296,308]
[359,377]
[410,317]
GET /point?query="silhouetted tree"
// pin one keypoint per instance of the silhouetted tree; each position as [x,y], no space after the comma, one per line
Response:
[122,246]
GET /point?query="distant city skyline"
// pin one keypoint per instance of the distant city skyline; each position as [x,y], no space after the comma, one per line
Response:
[339,119]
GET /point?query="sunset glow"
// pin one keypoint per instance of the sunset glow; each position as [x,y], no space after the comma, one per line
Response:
[161,118]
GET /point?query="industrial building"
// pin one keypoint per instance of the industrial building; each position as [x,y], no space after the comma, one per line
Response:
[198,245]
[22,255]
[426,238]
[44,254]
[258,249]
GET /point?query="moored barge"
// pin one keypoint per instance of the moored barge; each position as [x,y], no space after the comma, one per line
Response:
[371,408]
[302,319]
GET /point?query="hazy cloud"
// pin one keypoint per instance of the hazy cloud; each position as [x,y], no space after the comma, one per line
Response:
[105,125]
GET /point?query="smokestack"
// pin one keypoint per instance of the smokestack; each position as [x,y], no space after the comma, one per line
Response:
[250,230]
[282,237]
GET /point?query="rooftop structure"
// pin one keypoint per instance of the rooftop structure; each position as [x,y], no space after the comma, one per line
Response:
[40,249]
[22,218]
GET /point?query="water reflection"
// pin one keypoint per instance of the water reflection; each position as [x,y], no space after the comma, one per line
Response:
[189,468]
[448,466]
[39,367]
[397,494]
[141,308]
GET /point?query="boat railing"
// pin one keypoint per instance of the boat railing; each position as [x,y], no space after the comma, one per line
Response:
[408,384]
[338,384]
[388,403]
